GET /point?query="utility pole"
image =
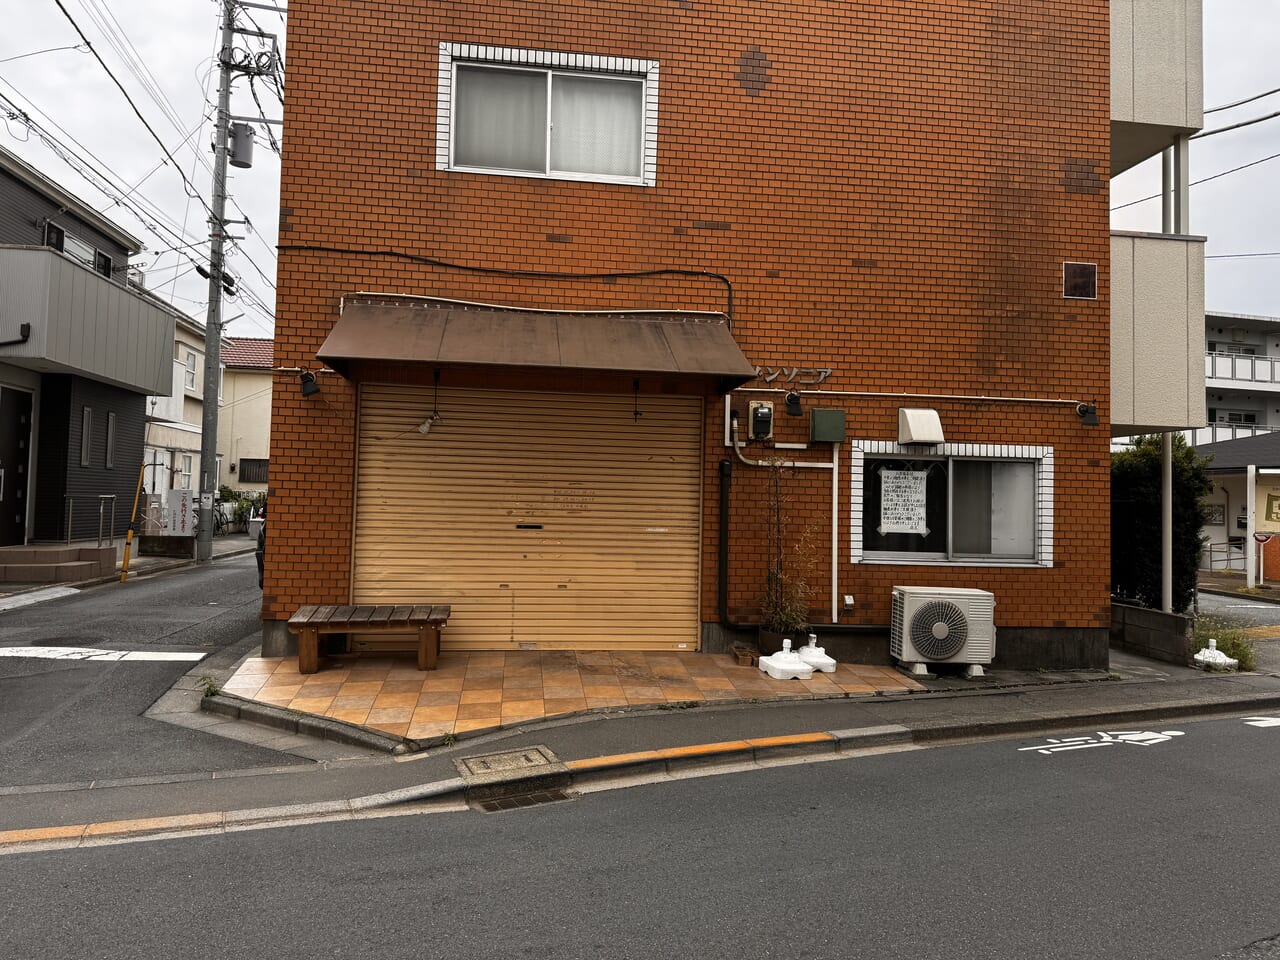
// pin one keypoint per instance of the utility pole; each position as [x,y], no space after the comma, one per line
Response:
[213,320]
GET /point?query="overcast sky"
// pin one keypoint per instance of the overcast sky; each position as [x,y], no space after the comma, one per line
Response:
[71,100]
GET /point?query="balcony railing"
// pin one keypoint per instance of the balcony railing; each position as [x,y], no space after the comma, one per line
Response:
[1216,432]
[1248,369]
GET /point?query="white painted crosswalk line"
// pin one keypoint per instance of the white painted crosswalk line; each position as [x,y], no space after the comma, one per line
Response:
[19,600]
[1262,721]
[90,653]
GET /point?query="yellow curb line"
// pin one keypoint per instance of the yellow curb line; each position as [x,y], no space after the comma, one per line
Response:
[697,750]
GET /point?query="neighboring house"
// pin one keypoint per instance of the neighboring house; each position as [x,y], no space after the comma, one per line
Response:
[171,460]
[79,353]
[546,274]
[1229,530]
[244,417]
[1242,377]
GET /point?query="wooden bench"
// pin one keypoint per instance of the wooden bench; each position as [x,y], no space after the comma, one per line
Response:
[425,621]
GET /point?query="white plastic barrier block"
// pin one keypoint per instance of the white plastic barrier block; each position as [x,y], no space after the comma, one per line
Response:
[816,656]
[786,665]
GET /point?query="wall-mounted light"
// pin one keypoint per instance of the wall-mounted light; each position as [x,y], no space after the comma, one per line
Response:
[1088,412]
[307,380]
[793,404]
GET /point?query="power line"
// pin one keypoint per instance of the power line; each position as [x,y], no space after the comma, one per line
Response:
[194,193]
[1235,126]
[1157,196]
[1240,103]
[1241,256]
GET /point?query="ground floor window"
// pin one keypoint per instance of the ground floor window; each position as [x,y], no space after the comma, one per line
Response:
[977,503]
[184,475]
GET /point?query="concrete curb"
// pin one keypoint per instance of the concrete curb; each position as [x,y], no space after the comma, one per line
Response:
[322,728]
[673,762]
[1274,600]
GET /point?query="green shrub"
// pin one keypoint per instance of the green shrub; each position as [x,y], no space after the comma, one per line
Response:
[1136,521]
[1231,640]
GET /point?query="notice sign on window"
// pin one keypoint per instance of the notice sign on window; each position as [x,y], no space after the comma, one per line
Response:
[902,502]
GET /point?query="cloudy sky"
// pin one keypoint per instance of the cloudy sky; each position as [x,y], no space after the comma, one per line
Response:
[161,51]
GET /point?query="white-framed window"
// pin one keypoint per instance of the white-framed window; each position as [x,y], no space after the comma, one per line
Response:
[110,461]
[956,503]
[189,378]
[86,436]
[184,473]
[538,113]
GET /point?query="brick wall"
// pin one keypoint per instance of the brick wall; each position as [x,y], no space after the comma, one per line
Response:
[891,189]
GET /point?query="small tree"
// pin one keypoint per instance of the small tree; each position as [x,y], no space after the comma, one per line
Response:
[1136,521]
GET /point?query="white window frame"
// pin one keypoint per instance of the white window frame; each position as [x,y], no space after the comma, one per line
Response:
[1042,456]
[189,378]
[185,471]
[609,67]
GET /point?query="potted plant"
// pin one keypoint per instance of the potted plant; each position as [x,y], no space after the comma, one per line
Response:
[784,608]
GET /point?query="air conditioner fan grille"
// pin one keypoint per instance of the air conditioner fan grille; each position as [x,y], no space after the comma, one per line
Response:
[939,630]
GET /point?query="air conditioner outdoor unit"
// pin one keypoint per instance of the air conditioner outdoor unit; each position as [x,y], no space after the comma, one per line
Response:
[943,625]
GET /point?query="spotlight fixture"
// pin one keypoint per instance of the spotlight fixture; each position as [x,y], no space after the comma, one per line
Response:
[307,380]
[1088,412]
[793,404]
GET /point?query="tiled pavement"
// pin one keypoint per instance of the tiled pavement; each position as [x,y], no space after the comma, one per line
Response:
[477,691]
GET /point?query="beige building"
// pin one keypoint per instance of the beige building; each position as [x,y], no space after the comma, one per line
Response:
[171,459]
[244,420]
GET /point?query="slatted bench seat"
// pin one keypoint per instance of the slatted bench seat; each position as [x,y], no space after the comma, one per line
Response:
[424,621]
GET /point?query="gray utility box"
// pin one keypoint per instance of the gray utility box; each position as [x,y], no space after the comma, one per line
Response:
[826,426]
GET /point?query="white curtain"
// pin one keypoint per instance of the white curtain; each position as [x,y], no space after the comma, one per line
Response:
[500,119]
[993,508]
[596,125]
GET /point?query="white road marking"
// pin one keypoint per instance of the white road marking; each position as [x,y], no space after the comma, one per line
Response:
[35,596]
[1137,738]
[1262,721]
[89,653]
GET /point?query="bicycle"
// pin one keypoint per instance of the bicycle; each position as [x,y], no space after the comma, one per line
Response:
[220,522]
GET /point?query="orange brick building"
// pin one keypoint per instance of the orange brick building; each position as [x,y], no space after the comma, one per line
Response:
[527,251]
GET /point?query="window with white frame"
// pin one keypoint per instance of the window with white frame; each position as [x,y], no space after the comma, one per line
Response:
[189,377]
[184,475]
[544,114]
[961,503]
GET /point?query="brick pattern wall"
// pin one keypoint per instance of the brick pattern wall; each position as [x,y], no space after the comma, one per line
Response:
[891,189]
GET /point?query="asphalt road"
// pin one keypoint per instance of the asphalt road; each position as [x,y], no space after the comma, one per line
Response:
[74,721]
[1127,850]
[1244,611]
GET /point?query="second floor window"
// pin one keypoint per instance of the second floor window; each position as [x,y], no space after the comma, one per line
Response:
[539,113]
[190,375]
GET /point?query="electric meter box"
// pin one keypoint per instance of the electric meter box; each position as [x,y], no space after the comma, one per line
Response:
[760,413]
[826,426]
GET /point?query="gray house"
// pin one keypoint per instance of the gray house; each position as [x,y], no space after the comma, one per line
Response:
[79,353]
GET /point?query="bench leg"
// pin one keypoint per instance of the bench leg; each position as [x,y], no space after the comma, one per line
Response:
[428,646]
[308,651]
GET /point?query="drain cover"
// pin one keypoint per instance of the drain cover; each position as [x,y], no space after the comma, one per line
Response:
[537,798]
[491,765]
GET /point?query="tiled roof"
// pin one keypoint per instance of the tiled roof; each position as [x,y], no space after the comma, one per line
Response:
[247,352]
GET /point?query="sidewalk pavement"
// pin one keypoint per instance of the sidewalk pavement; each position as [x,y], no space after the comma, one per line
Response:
[1232,583]
[357,774]
[229,545]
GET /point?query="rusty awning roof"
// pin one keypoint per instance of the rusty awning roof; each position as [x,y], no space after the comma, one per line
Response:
[695,349]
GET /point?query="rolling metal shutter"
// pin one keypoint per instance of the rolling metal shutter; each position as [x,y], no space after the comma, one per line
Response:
[547,520]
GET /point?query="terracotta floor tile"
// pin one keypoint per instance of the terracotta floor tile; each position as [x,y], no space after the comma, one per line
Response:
[434,714]
[854,687]
[280,696]
[564,705]
[441,683]
[483,673]
[387,701]
[525,708]
[476,711]
[349,716]
[245,686]
[259,665]
[325,677]
[480,723]
[602,690]
[512,719]
[360,688]
[480,696]
[721,695]
[681,693]
[713,683]
[631,692]
[286,663]
[431,728]
[341,702]
[436,698]
[319,690]
[283,679]
[634,698]
[316,705]
[393,685]
[395,729]
[483,683]
[380,716]
[532,688]
[618,701]
[561,692]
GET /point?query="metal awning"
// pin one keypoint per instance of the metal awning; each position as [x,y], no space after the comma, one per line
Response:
[695,349]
